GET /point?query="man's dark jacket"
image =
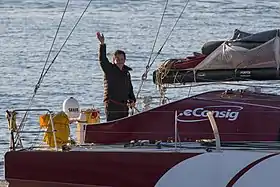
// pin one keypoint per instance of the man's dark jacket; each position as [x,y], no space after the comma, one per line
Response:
[117,83]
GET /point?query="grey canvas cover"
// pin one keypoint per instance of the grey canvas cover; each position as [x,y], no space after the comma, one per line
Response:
[231,55]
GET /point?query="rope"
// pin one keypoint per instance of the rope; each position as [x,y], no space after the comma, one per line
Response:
[163,71]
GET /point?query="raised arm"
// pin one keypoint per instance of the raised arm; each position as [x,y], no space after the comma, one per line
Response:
[104,62]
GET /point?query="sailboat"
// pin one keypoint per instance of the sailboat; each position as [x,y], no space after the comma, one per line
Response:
[217,138]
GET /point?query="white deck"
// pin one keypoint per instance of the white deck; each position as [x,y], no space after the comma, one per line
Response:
[184,147]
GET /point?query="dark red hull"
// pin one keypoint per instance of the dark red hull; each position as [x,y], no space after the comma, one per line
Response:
[98,169]
[240,116]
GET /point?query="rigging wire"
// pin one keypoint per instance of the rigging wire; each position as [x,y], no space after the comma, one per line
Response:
[44,71]
[159,51]
[144,76]
[81,16]
[39,80]
[49,53]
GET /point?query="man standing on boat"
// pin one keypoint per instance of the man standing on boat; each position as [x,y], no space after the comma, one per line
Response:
[118,89]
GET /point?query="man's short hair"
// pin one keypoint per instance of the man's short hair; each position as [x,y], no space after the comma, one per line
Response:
[119,52]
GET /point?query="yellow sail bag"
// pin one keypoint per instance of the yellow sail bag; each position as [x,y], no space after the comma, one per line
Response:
[61,125]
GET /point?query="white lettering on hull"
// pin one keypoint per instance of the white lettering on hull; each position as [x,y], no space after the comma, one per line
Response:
[228,112]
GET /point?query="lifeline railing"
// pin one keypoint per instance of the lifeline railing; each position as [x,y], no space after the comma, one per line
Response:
[15,133]
[177,142]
